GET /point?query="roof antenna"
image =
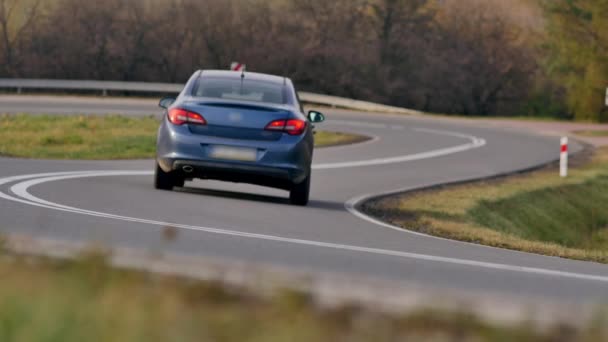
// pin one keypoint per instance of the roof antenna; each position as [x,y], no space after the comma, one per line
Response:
[242,79]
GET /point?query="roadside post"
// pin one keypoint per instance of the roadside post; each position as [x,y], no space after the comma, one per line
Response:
[236,66]
[563,158]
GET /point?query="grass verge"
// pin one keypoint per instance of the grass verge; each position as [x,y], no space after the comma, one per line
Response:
[85,300]
[328,139]
[538,212]
[97,137]
[592,133]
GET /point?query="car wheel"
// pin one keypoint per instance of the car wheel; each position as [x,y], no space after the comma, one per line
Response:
[300,193]
[165,180]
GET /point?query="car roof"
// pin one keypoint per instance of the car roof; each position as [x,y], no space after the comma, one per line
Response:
[248,76]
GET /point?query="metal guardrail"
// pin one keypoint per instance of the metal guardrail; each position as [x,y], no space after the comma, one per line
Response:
[105,86]
[341,102]
[102,86]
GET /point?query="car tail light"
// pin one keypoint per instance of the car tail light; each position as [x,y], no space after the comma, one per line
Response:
[178,116]
[291,127]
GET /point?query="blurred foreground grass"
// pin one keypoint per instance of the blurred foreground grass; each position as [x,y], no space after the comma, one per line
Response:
[97,137]
[85,300]
[539,212]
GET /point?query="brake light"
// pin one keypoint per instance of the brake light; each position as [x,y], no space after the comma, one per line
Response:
[291,127]
[178,116]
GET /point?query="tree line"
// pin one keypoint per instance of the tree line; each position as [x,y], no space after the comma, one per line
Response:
[446,56]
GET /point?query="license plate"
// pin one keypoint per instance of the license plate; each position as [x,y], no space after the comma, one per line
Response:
[234,153]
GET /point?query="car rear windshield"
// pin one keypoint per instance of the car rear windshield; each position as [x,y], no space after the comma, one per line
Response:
[237,89]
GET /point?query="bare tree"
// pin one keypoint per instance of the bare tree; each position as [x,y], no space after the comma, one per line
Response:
[461,57]
[482,65]
[137,26]
[16,17]
[403,31]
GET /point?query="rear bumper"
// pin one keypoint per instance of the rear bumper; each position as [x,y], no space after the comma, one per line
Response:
[281,178]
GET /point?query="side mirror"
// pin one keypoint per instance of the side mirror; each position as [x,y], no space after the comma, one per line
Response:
[314,116]
[166,102]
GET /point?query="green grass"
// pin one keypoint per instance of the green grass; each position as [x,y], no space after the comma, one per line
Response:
[539,212]
[571,215]
[592,133]
[96,137]
[85,300]
[77,137]
[327,139]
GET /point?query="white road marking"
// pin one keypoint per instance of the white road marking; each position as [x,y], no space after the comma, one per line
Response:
[474,142]
[7,180]
[352,204]
[351,207]
[21,189]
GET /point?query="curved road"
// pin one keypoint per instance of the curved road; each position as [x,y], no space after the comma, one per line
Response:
[114,202]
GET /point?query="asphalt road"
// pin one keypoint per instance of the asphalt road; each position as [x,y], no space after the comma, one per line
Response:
[84,201]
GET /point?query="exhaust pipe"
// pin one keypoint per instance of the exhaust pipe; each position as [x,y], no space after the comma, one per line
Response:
[188,169]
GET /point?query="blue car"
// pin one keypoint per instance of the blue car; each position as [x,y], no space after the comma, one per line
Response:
[237,127]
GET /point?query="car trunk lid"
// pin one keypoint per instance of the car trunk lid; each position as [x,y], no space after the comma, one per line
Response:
[237,120]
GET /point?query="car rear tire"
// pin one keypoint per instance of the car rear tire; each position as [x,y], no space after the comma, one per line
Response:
[166,180]
[300,193]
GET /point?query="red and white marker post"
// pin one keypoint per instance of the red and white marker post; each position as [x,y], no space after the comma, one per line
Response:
[563,158]
[236,66]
